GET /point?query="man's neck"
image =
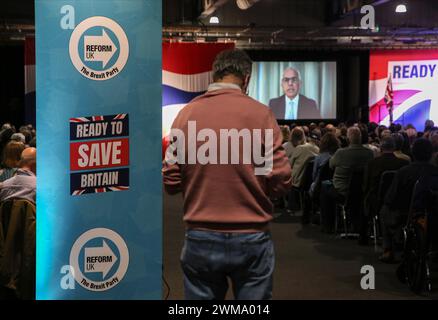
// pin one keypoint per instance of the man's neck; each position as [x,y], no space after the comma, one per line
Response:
[231,79]
[292,98]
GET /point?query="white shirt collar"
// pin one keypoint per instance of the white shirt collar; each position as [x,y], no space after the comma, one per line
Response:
[294,100]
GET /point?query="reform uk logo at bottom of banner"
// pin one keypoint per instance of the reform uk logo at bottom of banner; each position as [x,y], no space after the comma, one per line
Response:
[99,259]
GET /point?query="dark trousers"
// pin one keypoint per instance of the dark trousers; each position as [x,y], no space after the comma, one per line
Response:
[354,210]
[307,207]
[209,258]
[328,197]
[293,200]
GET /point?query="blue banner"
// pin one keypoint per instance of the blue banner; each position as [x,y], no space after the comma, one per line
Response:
[98,66]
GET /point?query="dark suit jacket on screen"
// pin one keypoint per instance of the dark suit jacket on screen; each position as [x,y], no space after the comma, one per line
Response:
[306,108]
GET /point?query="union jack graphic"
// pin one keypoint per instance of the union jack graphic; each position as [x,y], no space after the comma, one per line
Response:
[389,95]
[97,118]
[99,190]
[398,92]
[120,116]
[79,120]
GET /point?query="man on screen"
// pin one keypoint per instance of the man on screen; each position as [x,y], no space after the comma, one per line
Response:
[293,105]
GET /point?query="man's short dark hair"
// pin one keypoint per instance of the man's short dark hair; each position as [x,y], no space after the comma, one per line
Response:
[364,133]
[235,62]
[297,136]
[387,144]
[398,141]
[422,150]
[429,124]
[329,143]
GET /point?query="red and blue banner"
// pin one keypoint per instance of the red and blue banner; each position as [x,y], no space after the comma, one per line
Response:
[414,76]
[187,72]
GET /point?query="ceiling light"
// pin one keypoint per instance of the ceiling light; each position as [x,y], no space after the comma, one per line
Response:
[401,8]
[214,20]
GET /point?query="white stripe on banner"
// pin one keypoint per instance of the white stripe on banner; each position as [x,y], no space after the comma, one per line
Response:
[29,78]
[188,82]
[405,106]
[169,114]
[377,90]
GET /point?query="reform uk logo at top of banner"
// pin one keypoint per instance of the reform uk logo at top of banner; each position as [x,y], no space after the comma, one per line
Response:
[99,48]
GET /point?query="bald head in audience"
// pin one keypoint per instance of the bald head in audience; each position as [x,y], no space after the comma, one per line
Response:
[28,159]
[330,128]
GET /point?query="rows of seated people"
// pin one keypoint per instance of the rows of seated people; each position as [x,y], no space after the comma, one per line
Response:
[368,172]
[17,212]
[332,167]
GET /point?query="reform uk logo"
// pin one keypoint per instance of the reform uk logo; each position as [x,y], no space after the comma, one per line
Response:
[99,48]
[100,259]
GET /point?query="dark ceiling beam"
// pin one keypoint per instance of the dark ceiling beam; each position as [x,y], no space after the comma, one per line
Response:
[307,37]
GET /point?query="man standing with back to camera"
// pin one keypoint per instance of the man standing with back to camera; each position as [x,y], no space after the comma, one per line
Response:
[292,105]
[227,207]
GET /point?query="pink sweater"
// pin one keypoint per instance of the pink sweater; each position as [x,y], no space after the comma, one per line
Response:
[228,197]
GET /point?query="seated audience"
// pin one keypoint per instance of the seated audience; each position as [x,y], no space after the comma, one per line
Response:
[433,137]
[303,153]
[398,144]
[23,184]
[365,140]
[342,136]
[412,134]
[398,199]
[315,137]
[344,162]
[18,137]
[374,170]
[330,128]
[300,156]
[287,144]
[428,125]
[11,158]
[329,145]
[356,156]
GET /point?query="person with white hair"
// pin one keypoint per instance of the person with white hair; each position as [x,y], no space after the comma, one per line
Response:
[19,137]
[292,105]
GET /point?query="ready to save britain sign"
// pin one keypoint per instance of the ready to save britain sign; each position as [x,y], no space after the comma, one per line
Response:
[99,154]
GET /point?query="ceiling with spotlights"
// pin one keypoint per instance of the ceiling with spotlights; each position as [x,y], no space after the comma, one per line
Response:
[302,24]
